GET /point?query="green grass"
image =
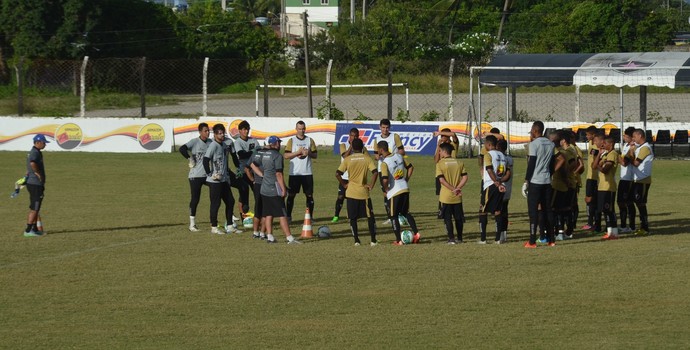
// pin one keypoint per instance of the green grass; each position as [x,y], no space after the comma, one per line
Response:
[120,270]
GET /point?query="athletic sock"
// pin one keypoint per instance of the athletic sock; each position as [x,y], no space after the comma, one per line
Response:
[192,221]
[411,221]
[372,228]
[28,227]
[290,238]
[482,226]
[338,206]
[355,231]
[310,205]
[270,237]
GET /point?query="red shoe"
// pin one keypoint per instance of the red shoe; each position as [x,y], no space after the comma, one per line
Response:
[609,237]
[416,238]
[528,245]
[551,244]
[398,243]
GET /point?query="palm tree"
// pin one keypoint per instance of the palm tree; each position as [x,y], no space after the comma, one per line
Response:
[255,8]
[444,7]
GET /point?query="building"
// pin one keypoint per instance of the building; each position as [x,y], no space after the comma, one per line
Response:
[321,15]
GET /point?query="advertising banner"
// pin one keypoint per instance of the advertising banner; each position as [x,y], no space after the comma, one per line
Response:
[123,135]
[416,138]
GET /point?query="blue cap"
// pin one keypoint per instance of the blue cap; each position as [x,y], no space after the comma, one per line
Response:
[41,138]
[273,140]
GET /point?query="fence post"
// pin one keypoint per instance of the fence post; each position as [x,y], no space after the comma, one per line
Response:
[306,62]
[328,87]
[407,100]
[391,66]
[142,87]
[450,89]
[256,100]
[20,86]
[204,89]
[82,87]
[267,65]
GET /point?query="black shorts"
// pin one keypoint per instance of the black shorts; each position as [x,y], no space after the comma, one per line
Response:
[560,200]
[492,200]
[273,206]
[258,203]
[591,188]
[624,191]
[399,204]
[35,196]
[605,201]
[450,211]
[359,208]
[341,189]
[640,192]
[304,182]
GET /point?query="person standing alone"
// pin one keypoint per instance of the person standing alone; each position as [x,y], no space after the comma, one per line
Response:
[35,185]
[194,152]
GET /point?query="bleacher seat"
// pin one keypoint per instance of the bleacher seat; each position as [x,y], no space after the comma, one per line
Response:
[662,144]
[679,146]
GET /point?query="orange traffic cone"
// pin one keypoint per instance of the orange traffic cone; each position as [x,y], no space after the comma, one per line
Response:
[307,231]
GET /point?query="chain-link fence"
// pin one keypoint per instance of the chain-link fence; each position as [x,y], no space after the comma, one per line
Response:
[136,87]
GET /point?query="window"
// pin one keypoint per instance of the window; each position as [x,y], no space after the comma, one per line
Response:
[324,2]
[306,2]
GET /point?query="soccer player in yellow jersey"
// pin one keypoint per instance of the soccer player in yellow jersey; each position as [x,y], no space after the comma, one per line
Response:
[358,165]
[445,136]
[453,177]
[607,162]
[641,156]
[345,151]
[593,218]
[577,173]
[560,182]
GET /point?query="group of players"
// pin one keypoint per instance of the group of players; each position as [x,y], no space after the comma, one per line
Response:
[259,169]
[552,183]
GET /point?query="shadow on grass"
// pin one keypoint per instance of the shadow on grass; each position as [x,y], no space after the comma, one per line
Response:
[110,229]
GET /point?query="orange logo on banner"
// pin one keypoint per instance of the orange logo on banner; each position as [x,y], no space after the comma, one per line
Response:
[69,136]
[151,136]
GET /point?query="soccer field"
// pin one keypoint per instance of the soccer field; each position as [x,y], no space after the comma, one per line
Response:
[119,269]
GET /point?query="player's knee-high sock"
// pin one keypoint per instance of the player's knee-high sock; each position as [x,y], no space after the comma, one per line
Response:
[623,209]
[448,222]
[576,213]
[642,209]
[372,228]
[590,214]
[482,226]
[631,215]
[533,232]
[310,205]
[499,226]
[411,222]
[396,228]
[353,228]
[459,228]
[339,205]
[290,203]
[597,221]
[541,224]
[569,226]
[386,205]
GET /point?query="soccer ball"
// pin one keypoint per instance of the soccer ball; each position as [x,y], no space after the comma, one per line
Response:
[402,220]
[406,236]
[324,232]
[248,222]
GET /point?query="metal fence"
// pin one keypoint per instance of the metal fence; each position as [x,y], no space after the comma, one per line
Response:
[138,87]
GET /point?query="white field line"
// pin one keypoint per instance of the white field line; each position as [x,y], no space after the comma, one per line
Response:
[80,252]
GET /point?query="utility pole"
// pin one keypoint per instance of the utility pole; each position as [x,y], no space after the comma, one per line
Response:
[352,11]
[364,10]
[306,60]
[224,5]
[506,6]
